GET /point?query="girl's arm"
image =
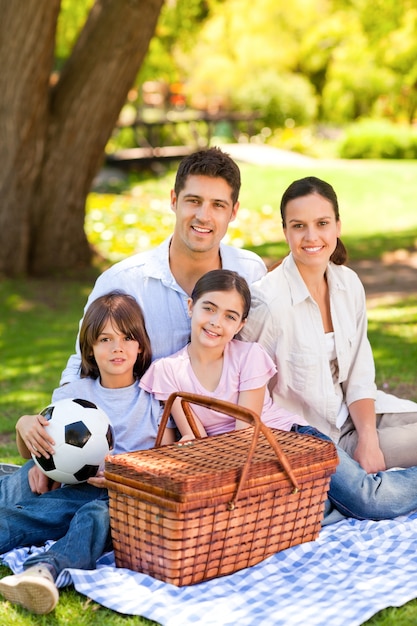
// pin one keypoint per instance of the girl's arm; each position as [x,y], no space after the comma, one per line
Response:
[182,423]
[168,436]
[252,399]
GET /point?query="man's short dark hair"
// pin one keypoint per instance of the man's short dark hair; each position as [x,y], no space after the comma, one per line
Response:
[211,162]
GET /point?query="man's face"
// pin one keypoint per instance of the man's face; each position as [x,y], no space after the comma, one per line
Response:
[203,209]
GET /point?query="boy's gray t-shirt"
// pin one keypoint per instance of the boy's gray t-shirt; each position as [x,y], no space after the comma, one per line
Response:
[134,413]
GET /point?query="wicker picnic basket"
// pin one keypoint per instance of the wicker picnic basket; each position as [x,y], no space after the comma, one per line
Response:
[185,513]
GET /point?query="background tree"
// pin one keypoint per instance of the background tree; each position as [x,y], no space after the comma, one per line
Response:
[54,132]
[314,61]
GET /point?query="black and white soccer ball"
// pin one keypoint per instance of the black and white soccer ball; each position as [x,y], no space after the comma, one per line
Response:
[83,436]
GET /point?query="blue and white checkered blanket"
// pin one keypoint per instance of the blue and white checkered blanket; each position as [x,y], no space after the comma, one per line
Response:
[352,571]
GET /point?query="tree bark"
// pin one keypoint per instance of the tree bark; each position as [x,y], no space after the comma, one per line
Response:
[27,39]
[56,135]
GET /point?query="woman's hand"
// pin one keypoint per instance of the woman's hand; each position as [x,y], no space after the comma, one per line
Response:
[367,452]
[369,456]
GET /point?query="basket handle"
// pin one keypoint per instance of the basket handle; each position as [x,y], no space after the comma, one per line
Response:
[238,412]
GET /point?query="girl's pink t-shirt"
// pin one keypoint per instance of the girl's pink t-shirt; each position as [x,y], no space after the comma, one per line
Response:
[246,366]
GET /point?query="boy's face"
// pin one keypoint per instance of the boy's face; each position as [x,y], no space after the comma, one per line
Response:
[115,355]
[203,208]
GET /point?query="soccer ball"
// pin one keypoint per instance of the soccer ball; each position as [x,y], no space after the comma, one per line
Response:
[83,436]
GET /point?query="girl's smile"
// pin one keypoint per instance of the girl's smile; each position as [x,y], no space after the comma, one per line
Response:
[216,317]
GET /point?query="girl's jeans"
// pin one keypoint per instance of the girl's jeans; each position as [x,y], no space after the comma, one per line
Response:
[76,516]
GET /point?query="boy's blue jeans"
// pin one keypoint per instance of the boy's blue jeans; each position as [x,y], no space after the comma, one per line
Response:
[354,493]
[76,516]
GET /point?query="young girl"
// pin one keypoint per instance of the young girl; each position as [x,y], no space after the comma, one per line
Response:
[215,364]
[115,351]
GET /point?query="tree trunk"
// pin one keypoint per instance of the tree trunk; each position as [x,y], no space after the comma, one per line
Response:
[59,136]
[27,39]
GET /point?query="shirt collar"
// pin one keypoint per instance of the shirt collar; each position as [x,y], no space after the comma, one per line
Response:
[297,286]
[158,260]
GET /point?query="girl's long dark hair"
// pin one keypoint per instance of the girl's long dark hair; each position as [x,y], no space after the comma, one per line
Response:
[305,187]
[127,317]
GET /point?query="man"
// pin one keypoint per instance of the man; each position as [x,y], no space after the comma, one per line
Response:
[205,201]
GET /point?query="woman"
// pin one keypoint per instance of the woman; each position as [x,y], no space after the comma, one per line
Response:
[310,315]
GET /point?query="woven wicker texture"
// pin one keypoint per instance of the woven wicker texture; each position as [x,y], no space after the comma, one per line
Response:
[183,514]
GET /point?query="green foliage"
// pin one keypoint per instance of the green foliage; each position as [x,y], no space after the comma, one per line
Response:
[358,59]
[176,32]
[309,140]
[72,16]
[379,139]
[277,98]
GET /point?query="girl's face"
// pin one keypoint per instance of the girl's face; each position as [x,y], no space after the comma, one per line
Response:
[311,230]
[115,354]
[216,317]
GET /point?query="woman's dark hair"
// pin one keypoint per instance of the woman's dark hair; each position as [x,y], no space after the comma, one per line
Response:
[223,280]
[127,317]
[312,185]
[211,162]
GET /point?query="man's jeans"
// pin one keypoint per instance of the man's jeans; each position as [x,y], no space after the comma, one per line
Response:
[354,493]
[76,516]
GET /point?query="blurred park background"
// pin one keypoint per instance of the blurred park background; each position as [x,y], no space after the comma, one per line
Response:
[100,99]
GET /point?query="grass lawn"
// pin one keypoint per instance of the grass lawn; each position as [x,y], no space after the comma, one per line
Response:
[39,318]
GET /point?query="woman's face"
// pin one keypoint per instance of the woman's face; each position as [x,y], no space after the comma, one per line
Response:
[311,230]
